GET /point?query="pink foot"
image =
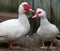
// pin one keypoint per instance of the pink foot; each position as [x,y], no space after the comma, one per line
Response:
[44,47]
[52,47]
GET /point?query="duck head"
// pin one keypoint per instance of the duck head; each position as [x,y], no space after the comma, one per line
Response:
[40,13]
[24,7]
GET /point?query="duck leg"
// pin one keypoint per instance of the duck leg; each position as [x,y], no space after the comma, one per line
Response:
[12,46]
[43,46]
[51,46]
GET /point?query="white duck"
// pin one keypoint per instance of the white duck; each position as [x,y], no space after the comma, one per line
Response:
[13,29]
[47,31]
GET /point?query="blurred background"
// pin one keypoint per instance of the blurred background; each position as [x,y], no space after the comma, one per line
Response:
[9,10]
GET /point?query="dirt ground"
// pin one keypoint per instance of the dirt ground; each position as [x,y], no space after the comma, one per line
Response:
[31,43]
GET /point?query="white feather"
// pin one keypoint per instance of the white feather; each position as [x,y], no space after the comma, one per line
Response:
[47,31]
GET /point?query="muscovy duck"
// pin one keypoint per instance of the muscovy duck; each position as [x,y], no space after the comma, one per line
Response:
[46,31]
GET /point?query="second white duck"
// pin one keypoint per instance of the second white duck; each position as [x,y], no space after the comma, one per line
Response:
[46,31]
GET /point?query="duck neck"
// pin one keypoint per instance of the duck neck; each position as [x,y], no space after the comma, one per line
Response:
[23,20]
[44,21]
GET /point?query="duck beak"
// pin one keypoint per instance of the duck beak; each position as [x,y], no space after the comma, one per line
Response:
[34,16]
[31,10]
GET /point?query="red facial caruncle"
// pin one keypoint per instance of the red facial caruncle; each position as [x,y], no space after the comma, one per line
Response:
[27,7]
